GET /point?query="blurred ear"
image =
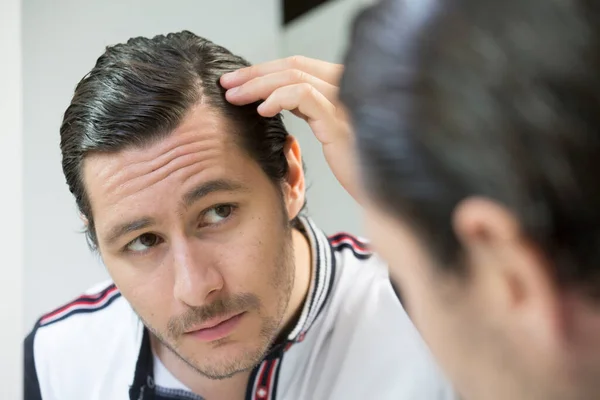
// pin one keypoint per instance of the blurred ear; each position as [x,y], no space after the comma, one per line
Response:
[512,275]
[294,186]
[84,219]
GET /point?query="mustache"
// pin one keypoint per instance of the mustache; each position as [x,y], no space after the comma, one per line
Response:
[219,308]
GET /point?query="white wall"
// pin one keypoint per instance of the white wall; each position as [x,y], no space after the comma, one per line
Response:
[323,34]
[10,201]
[61,41]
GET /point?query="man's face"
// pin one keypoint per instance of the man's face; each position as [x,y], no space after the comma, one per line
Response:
[196,236]
[475,341]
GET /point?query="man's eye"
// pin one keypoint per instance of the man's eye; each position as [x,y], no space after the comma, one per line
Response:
[217,214]
[143,242]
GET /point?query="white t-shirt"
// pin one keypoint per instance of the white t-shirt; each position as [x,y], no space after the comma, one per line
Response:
[164,378]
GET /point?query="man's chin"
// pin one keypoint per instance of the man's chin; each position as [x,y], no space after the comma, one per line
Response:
[224,372]
[226,359]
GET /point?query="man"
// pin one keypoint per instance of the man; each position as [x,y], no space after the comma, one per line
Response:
[477,125]
[220,288]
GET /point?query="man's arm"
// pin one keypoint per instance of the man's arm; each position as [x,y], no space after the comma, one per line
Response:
[31,386]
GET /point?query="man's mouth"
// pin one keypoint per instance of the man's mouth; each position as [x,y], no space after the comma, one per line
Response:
[216,328]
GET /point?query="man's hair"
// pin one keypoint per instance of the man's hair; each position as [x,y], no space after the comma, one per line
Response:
[140,91]
[500,99]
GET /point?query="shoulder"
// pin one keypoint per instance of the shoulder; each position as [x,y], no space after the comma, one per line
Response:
[81,336]
[77,321]
[358,247]
[93,300]
[358,267]
[362,280]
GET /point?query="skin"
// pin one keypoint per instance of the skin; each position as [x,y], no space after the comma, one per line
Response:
[229,249]
[507,330]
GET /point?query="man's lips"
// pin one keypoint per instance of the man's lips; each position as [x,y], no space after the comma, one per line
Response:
[216,328]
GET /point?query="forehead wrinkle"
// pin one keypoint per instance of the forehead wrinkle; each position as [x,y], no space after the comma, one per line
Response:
[200,125]
[146,153]
[149,157]
[207,130]
[163,165]
[188,166]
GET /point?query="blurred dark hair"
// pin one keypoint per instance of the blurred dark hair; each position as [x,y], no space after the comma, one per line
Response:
[140,91]
[501,99]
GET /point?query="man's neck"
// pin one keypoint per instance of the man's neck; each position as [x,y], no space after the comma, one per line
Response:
[235,387]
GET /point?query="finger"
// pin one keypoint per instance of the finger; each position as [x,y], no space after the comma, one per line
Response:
[260,88]
[323,119]
[304,98]
[323,70]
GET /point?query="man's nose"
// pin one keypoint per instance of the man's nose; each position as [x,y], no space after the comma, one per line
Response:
[196,278]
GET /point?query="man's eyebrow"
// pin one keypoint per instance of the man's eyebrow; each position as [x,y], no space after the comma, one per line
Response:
[200,191]
[126,228]
[218,185]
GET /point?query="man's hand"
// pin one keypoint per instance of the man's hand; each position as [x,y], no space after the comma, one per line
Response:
[309,89]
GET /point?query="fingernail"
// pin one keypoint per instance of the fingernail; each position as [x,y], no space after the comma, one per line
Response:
[233,91]
[227,77]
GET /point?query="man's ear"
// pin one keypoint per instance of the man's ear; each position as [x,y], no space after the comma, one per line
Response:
[294,186]
[84,219]
[510,271]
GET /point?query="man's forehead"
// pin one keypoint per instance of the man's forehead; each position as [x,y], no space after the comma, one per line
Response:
[202,128]
[201,144]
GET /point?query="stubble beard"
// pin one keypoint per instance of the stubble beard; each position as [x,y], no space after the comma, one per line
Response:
[282,280]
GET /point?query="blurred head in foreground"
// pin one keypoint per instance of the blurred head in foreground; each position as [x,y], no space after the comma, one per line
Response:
[478,129]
